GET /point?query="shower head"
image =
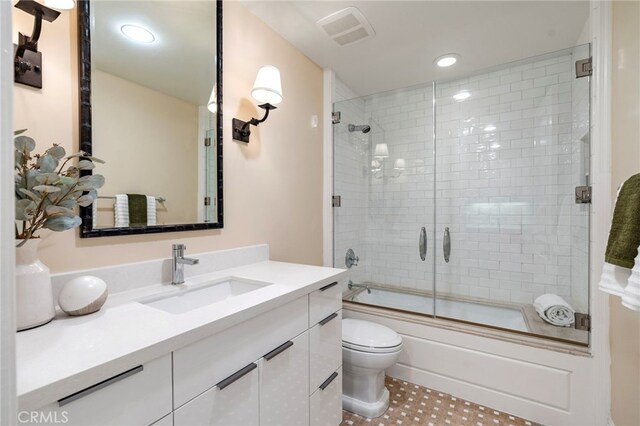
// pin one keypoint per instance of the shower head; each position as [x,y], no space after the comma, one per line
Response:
[364,128]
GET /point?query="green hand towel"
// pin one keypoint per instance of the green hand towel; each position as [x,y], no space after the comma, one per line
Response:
[137,209]
[624,237]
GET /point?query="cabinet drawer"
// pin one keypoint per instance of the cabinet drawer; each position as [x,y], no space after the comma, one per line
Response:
[323,302]
[325,349]
[139,396]
[200,366]
[236,404]
[326,404]
[284,380]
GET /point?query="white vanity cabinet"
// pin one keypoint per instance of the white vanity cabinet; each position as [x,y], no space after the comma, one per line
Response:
[234,401]
[281,367]
[284,380]
[138,396]
[293,358]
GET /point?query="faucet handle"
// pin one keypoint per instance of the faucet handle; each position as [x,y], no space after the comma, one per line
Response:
[179,247]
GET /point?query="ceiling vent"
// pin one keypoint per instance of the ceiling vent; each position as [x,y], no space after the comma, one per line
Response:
[346,26]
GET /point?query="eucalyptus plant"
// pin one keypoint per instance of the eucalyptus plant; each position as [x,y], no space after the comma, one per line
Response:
[49,187]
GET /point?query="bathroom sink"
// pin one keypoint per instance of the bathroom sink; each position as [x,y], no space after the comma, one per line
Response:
[203,295]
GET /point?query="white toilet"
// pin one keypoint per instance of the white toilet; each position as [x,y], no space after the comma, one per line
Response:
[368,349]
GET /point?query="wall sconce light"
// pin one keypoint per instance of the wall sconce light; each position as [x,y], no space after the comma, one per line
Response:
[267,89]
[27,60]
[381,150]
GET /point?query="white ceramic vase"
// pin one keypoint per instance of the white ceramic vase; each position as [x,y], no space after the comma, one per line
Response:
[34,296]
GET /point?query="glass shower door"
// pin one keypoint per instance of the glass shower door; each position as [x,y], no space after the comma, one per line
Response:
[512,145]
[383,172]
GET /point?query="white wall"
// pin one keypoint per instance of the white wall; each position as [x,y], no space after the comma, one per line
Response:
[8,399]
[149,142]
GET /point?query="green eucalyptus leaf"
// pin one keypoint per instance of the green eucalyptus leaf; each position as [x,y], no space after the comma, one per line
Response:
[32,178]
[67,181]
[62,223]
[57,152]
[59,211]
[86,165]
[25,209]
[69,203]
[30,194]
[48,178]
[87,199]
[88,183]
[46,188]
[95,159]
[24,143]
[19,132]
[47,163]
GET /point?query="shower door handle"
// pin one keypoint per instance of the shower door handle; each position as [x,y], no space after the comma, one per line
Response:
[422,245]
[446,245]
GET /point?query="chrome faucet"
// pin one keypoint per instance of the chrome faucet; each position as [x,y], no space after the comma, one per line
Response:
[177,264]
[351,285]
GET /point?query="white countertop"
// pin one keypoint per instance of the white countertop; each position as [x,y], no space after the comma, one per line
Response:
[72,353]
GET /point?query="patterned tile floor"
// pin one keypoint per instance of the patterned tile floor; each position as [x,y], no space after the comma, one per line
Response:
[418,406]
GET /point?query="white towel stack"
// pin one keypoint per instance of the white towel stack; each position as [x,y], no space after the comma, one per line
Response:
[554,310]
[121,211]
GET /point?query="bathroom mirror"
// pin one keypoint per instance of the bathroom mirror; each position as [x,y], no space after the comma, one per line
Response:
[150,102]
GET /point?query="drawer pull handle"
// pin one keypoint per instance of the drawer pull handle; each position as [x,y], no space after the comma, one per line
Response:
[329,318]
[237,375]
[328,286]
[84,392]
[328,381]
[277,351]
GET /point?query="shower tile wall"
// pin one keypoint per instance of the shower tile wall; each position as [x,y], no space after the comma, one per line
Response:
[508,159]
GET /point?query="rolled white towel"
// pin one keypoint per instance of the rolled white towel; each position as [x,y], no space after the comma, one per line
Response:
[554,310]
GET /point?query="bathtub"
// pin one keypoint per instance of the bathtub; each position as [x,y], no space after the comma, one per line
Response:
[493,315]
[487,355]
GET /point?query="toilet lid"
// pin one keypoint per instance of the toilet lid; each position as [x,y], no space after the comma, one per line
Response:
[368,336]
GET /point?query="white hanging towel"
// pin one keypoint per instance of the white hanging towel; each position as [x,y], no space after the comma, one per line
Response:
[121,211]
[554,310]
[151,211]
[631,294]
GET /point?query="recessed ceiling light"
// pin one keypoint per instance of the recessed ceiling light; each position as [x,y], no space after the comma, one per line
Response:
[447,60]
[461,96]
[137,33]
[489,128]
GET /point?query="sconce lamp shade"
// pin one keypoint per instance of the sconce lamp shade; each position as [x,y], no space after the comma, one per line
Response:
[212,105]
[267,87]
[381,150]
[60,4]
[400,164]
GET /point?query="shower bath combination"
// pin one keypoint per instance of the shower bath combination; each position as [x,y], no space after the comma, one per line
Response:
[364,128]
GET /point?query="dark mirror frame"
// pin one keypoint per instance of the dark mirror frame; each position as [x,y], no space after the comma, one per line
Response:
[84,63]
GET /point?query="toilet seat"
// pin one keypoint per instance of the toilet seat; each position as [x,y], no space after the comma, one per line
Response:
[371,350]
[365,336]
